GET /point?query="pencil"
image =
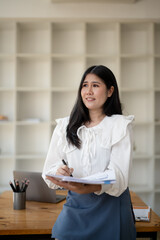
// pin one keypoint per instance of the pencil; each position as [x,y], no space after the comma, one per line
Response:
[17,186]
[13,188]
[25,186]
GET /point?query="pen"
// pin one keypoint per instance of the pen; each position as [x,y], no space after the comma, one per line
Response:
[66,165]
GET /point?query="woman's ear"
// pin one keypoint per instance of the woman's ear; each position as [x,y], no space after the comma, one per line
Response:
[110,91]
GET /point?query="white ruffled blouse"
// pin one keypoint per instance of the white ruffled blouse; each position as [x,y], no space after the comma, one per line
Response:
[107,145]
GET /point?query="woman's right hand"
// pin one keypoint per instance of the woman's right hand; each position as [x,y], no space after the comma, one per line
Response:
[64,170]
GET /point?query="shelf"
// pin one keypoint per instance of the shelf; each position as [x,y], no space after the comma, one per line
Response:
[143,138]
[135,90]
[6,89]
[33,72]
[6,140]
[41,66]
[157,38]
[7,38]
[141,174]
[6,156]
[68,77]
[33,105]
[157,90]
[138,103]
[7,72]
[7,101]
[58,100]
[32,139]
[144,123]
[143,156]
[157,201]
[32,121]
[136,56]
[32,89]
[101,34]
[30,156]
[157,178]
[110,62]
[157,109]
[63,89]
[136,38]
[38,56]
[66,37]
[157,189]
[157,139]
[140,73]
[107,1]
[33,37]
[157,73]
[7,174]
[6,123]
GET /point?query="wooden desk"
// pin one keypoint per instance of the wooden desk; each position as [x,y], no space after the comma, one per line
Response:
[37,220]
[146,229]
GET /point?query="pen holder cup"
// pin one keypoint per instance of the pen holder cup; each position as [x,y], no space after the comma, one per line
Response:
[19,200]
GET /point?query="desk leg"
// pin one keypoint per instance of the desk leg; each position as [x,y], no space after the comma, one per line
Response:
[151,235]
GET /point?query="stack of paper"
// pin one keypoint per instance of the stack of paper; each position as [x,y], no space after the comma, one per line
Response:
[142,213]
[106,177]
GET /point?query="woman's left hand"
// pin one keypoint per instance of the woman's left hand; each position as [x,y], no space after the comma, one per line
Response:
[77,187]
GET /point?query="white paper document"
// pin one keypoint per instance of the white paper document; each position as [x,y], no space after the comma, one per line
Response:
[106,177]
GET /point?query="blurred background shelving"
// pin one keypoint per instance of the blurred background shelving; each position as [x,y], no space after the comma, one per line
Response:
[41,64]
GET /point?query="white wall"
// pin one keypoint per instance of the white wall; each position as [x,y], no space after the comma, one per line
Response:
[142,9]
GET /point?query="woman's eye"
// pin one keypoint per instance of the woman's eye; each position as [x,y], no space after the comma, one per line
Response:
[84,85]
[95,85]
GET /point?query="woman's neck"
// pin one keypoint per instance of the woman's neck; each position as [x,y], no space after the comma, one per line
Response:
[96,118]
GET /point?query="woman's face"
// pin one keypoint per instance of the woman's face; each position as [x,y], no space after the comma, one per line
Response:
[94,92]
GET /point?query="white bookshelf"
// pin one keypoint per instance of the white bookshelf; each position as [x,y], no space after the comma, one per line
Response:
[33,38]
[41,64]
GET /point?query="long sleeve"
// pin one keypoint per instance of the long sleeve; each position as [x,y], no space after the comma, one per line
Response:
[53,159]
[120,162]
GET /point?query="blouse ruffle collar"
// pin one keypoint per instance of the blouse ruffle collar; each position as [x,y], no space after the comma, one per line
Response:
[109,132]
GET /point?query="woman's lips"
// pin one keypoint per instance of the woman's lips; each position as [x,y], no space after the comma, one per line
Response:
[90,99]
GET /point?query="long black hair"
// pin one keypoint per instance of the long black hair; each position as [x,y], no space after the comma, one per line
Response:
[80,113]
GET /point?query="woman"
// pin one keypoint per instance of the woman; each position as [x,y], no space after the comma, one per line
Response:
[96,137]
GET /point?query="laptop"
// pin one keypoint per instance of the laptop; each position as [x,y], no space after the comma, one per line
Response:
[37,189]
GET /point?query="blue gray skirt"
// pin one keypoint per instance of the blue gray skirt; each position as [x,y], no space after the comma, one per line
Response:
[95,217]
